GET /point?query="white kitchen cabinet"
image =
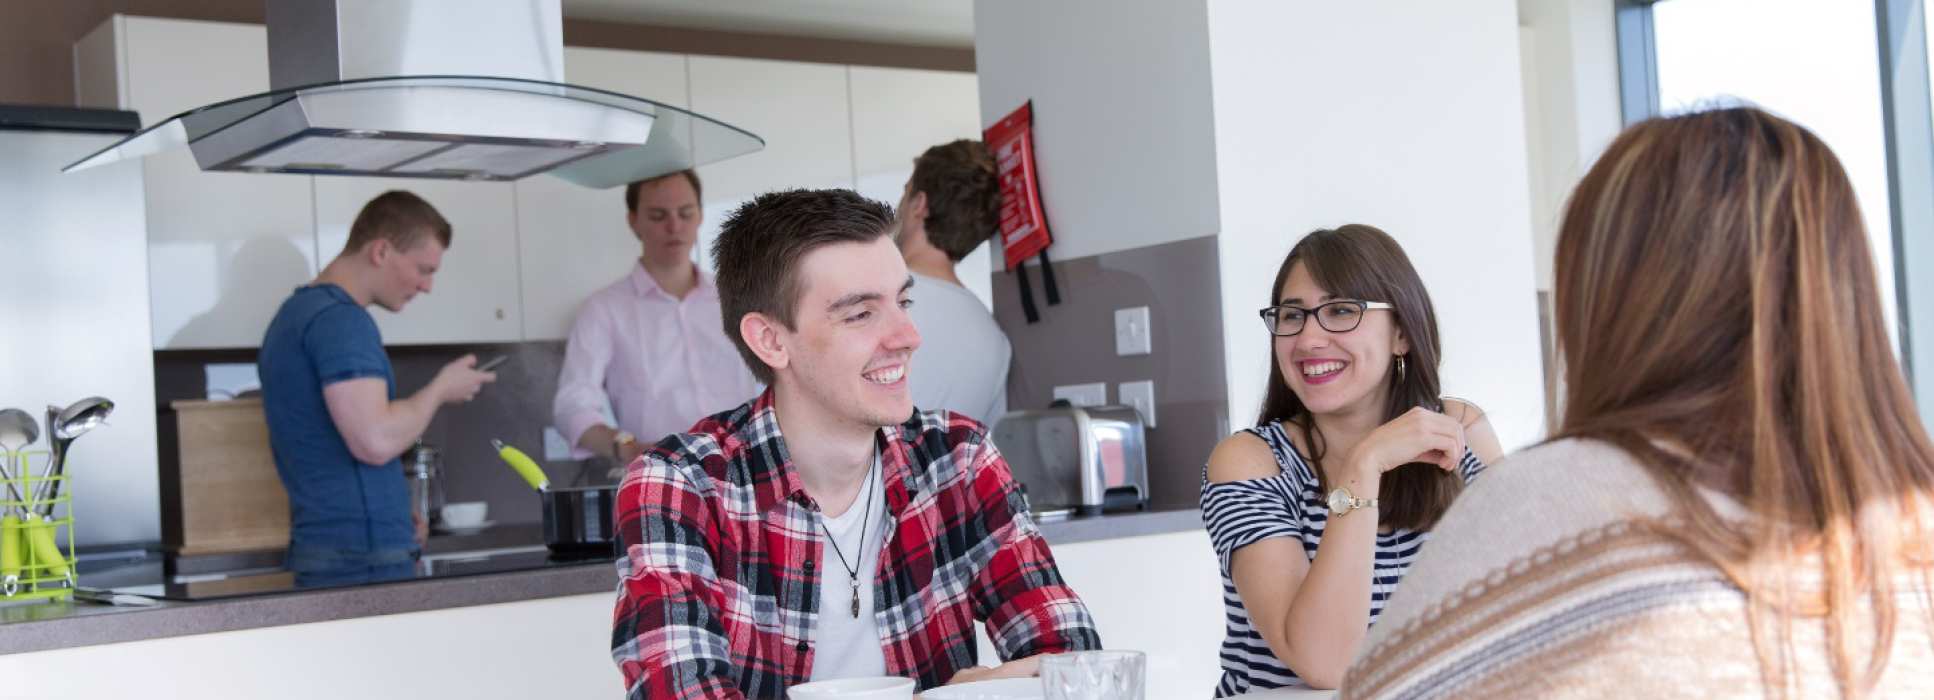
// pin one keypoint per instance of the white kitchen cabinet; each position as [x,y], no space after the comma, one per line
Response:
[572,240]
[800,109]
[1158,594]
[224,249]
[473,297]
[897,114]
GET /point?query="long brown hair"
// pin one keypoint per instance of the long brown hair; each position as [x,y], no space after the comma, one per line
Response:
[1361,262]
[1719,319]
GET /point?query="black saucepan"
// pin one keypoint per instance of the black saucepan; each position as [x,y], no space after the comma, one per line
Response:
[577,521]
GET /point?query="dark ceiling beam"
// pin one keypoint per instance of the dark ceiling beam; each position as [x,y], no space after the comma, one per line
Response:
[648,37]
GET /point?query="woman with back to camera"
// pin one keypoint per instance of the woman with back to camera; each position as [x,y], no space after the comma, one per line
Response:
[1317,511]
[1735,502]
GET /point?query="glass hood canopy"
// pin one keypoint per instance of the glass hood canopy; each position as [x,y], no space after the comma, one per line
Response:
[449,127]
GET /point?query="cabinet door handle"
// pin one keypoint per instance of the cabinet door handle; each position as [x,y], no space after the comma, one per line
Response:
[500,314]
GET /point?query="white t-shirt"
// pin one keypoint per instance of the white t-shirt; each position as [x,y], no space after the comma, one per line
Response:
[962,362]
[845,646]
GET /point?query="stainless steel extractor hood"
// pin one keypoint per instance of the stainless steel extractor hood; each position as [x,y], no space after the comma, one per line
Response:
[449,89]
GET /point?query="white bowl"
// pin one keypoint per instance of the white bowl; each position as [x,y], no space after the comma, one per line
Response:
[467,514]
[878,688]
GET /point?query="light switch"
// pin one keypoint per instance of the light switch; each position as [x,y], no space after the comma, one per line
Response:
[1132,334]
[555,448]
[1140,395]
[1094,394]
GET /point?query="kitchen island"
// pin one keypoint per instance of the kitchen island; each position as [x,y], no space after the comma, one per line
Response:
[539,630]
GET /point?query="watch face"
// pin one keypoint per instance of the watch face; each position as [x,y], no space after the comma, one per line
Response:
[1339,501]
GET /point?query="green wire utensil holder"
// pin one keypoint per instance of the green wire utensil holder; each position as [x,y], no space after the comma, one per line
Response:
[36,515]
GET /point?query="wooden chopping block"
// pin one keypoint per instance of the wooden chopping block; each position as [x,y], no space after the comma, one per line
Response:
[221,493]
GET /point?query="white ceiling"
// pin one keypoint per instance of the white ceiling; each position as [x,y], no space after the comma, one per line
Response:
[922,22]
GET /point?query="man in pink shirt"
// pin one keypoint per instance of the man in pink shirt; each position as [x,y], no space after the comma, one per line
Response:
[648,348]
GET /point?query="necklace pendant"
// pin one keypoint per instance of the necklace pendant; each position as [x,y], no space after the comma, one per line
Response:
[856,599]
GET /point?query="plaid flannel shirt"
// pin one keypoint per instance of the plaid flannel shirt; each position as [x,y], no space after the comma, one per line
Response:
[722,558]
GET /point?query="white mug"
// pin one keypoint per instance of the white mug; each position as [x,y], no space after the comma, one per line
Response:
[467,514]
[878,688]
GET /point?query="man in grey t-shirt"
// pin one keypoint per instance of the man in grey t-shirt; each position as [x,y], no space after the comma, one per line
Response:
[951,206]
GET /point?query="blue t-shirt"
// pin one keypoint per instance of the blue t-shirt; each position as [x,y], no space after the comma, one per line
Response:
[319,337]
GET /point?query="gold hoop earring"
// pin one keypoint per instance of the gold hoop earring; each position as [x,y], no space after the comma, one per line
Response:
[1399,369]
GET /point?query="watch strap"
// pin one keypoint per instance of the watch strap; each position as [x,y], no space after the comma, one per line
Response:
[618,443]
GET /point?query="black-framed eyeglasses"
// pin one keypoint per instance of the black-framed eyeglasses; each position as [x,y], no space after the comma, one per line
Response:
[1341,316]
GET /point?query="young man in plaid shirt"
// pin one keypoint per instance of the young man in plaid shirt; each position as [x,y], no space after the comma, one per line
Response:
[826,529]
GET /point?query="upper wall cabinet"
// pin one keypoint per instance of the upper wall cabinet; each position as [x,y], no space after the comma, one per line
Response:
[473,295]
[800,109]
[572,240]
[224,249]
[897,114]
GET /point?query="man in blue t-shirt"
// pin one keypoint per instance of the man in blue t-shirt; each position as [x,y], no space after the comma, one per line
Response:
[335,424]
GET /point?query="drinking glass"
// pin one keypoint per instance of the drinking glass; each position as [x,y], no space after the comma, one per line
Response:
[1094,675]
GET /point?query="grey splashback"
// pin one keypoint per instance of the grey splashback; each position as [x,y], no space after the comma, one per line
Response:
[75,319]
[1074,343]
[515,409]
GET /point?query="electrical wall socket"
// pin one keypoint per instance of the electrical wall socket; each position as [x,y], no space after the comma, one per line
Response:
[1095,394]
[1132,334]
[555,447]
[1140,395]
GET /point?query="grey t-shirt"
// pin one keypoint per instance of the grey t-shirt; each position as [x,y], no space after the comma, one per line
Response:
[961,365]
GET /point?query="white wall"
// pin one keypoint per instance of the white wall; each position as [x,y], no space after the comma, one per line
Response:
[1570,58]
[1122,115]
[1407,116]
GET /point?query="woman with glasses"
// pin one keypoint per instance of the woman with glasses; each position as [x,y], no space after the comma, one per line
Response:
[1317,511]
[1736,502]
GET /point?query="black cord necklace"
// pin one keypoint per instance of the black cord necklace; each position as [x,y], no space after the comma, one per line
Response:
[853,570]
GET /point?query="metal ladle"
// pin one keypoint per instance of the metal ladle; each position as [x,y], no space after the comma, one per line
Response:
[17,430]
[64,425]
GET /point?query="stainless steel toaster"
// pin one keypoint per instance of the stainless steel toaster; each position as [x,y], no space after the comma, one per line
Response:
[1089,459]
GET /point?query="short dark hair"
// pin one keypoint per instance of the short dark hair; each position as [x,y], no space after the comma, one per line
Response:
[400,217]
[759,248]
[963,195]
[691,176]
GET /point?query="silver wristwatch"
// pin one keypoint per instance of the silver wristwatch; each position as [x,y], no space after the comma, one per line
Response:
[1341,502]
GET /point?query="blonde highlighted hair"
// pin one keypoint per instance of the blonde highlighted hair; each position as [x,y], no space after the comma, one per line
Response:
[1718,314]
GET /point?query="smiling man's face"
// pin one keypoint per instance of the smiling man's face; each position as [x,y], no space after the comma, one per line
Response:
[851,348]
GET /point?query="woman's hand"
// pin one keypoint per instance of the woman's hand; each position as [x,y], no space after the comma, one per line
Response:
[1419,435]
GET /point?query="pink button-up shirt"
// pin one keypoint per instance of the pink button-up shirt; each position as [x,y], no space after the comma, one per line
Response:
[659,363]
